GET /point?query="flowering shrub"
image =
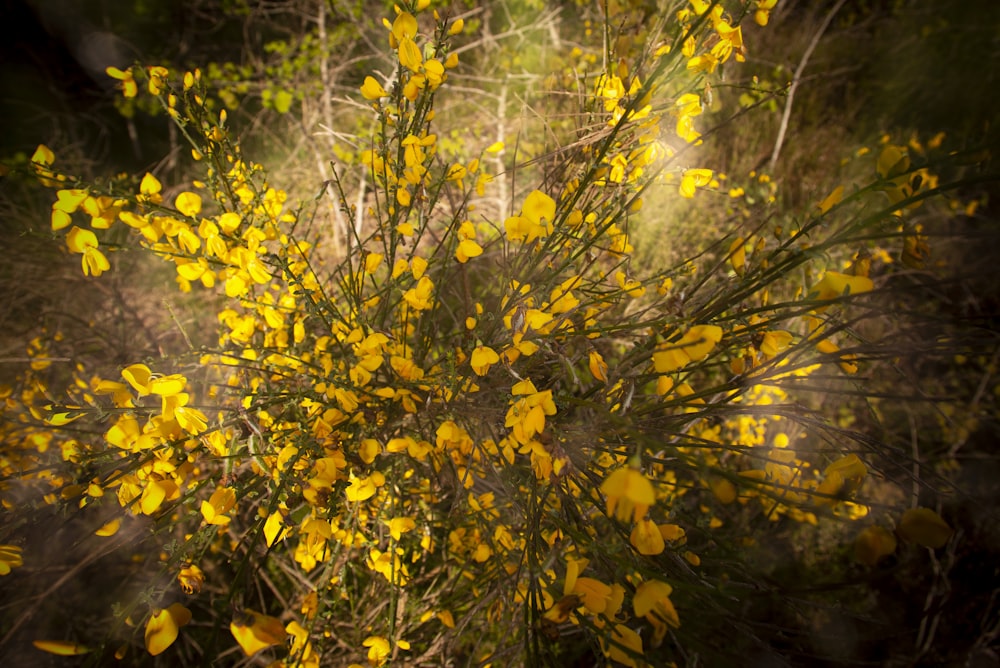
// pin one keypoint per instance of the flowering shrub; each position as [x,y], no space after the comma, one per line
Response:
[467,439]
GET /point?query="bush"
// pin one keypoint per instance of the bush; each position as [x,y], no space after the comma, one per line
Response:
[468,440]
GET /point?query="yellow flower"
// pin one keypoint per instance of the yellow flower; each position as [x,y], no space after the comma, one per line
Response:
[483,357]
[43,155]
[273,529]
[519,228]
[730,41]
[400,525]
[629,494]
[526,415]
[671,532]
[418,266]
[631,287]
[834,285]
[109,529]
[646,538]
[434,73]
[155,493]
[61,648]
[372,89]
[652,601]
[594,594]
[388,565]
[163,627]
[625,645]
[221,502]
[409,55]
[102,211]
[685,129]
[846,363]
[704,63]
[843,477]
[738,255]
[40,161]
[361,489]
[763,12]
[892,161]
[128,85]
[301,647]
[67,202]
[872,544]
[695,345]
[694,179]
[191,579]
[610,90]
[774,342]
[924,527]
[85,242]
[10,557]
[157,74]
[378,650]
[149,189]
[467,248]
[188,203]
[139,377]
[539,207]
[310,605]
[831,200]
[405,26]
[598,367]
[723,489]
[688,105]
[255,631]
[419,296]
[174,405]
[167,386]
[372,262]
[403,197]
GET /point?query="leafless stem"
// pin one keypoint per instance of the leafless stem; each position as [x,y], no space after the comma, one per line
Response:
[797,78]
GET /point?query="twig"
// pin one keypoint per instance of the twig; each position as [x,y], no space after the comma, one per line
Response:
[69,575]
[173,316]
[915,445]
[796,78]
[977,397]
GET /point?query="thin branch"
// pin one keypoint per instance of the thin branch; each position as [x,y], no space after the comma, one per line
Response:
[797,78]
